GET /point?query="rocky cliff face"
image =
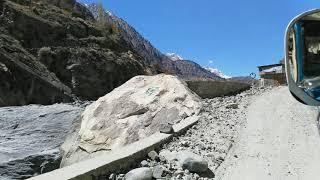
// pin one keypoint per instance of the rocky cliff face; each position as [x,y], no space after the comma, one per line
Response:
[53,50]
[71,5]
[24,80]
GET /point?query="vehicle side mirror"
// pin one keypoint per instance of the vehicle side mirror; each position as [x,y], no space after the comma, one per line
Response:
[302,57]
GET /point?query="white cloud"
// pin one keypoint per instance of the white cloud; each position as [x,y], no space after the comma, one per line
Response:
[210,62]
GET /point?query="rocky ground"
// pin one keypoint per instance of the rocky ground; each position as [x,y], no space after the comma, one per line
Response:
[200,151]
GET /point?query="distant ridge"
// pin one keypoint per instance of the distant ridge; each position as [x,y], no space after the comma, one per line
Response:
[153,57]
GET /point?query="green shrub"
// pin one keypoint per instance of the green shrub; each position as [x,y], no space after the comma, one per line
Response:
[43,52]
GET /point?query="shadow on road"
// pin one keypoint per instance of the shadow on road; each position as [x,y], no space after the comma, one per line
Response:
[207,174]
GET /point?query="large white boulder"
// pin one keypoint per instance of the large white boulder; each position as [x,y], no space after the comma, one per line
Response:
[131,112]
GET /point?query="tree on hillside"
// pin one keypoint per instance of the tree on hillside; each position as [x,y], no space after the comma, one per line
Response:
[103,21]
[101,15]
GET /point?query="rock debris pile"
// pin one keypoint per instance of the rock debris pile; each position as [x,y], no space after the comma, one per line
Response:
[200,151]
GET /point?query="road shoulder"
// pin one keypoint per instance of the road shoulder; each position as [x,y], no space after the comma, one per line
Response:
[279,141]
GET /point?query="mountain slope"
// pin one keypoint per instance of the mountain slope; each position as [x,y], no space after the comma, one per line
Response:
[78,57]
[143,47]
[217,72]
[244,79]
[153,57]
[189,70]
[24,80]
[174,56]
[63,40]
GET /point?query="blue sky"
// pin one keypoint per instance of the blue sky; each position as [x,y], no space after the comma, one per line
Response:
[236,36]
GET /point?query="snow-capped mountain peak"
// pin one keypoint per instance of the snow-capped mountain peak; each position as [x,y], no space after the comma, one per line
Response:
[174,56]
[109,13]
[217,72]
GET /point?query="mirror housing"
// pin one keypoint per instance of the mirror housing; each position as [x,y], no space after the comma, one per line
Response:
[303,77]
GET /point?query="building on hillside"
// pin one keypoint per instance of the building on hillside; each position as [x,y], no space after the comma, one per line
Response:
[273,74]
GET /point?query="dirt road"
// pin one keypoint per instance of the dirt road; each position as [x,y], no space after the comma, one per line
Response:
[279,141]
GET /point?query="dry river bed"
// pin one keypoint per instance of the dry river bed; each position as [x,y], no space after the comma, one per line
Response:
[199,152]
